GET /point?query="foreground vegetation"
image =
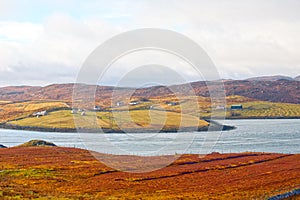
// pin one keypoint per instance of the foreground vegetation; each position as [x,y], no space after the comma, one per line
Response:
[69,173]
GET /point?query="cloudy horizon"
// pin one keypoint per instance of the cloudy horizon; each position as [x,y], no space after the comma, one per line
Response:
[45,42]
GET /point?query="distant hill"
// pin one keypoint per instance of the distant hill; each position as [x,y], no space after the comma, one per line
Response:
[280,89]
[297,78]
[275,91]
[270,78]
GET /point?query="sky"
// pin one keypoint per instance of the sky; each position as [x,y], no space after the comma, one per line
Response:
[44,42]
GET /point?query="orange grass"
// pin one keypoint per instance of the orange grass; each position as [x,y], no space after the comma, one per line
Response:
[69,173]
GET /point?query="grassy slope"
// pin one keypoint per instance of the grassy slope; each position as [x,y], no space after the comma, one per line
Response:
[266,109]
[64,119]
[252,108]
[14,110]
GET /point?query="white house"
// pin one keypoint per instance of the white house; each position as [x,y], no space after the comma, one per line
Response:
[171,103]
[120,103]
[41,113]
[220,107]
[132,103]
[74,111]
[97,108]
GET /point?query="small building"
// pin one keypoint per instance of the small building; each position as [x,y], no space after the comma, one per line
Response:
[120,103]
[237,107]
[97,108]
[132,103]
[220,108]
[171,103]
[74,111]
[41,113]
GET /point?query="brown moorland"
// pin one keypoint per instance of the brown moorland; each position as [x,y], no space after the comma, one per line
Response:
[70,173]
[281,90]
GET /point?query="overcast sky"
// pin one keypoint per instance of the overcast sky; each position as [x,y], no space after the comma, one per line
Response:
[44,42]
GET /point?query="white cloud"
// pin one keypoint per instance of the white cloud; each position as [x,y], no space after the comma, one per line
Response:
[244,38]
[50,52]
[19,32]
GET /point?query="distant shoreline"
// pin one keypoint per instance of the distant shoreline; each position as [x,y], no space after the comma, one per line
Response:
[214,127]
[268,117]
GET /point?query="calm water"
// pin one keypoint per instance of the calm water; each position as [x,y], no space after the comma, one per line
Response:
[277,135]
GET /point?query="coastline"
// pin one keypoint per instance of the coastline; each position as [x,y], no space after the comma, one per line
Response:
[214,127]
[266,117]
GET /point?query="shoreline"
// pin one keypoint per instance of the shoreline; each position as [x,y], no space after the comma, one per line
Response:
[268,117]
[214,127]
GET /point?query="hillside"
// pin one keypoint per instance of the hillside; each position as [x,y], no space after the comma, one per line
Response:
[285,91]
[260,99]
[270,78]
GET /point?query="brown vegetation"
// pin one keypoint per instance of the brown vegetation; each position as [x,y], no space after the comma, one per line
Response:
[286,91]
[69,173]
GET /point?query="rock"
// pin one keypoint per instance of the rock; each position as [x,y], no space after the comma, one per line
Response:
[2,146]
[34,143]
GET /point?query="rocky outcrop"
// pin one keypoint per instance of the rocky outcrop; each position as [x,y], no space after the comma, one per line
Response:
[34,143]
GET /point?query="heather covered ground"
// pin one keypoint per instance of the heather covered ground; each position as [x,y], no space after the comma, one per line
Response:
[70,173]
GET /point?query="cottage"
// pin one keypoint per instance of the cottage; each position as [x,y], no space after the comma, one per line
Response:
[236,107]
[74,111]
[132,103]
[171,103]
[41,113]
[97,108]
[220,107]
[120,103]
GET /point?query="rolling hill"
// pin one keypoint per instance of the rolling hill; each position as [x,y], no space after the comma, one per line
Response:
[270,78]
[281,90]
